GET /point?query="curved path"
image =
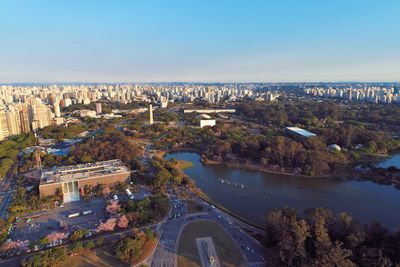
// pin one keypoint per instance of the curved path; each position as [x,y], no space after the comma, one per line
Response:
[165,254]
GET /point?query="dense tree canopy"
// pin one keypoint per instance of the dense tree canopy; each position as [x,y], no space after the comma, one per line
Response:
[60,132]
[110,145]
[256,135]
[320,238]
[10,148]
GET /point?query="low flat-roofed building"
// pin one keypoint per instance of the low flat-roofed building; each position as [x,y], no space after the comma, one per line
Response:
[204,123]
[300,131]
[70,179]
[209,111]
[204,116]
[87,113]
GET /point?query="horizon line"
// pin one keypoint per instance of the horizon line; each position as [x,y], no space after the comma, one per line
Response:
[194,82]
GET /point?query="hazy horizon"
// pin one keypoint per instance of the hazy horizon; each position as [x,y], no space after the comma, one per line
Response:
[197,82]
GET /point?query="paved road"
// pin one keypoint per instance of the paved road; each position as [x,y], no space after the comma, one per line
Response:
[110,237]
[250,247]
[164,255]
[6,190]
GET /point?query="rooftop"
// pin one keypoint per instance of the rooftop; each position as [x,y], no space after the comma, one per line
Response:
[82,171]
[301,131]
[212,110]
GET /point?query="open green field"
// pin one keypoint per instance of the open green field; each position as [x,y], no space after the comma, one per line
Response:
[228,253]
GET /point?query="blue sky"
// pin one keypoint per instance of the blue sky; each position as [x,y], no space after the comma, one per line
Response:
[204,40]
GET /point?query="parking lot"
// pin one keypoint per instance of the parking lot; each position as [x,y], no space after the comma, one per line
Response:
[57,219]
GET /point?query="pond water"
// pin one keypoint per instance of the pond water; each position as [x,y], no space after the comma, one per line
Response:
[250,194]
[393,160]
[59,152]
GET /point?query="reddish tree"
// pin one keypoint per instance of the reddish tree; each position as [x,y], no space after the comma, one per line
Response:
[123,222]
[55,236]
[107,226]
[113,208]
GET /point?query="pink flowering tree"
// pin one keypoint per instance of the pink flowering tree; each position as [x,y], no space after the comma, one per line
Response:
[113,208]
[123,222]
[56,236]
[107,226]
[15,245]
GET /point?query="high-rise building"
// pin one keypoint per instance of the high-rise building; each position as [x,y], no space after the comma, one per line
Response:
[98,108]
[67,102]
[3,125]
[13,121]
[39,114]
[57,109]
[24,120]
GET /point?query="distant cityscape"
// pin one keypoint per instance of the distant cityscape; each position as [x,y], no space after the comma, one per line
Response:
[26,108]
[375,94]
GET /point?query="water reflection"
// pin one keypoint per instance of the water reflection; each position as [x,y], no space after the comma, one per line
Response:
[365,200]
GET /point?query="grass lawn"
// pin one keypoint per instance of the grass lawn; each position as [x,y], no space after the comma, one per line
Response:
[228,253]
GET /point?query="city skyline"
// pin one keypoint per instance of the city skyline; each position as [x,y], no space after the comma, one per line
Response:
[228,41]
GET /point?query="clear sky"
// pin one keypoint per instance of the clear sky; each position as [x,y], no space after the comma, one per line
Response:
[199,40]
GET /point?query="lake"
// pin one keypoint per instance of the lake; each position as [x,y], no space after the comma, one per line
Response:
[366,201]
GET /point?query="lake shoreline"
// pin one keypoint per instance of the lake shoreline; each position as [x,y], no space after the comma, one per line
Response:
[348,174]
[277,190]
[373,176]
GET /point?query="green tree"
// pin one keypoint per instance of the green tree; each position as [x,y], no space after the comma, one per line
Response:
[370,257]
[318,219]
[127,247]
[77,247]
[78,234]
[89,245]
[99,241]
[335,256]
